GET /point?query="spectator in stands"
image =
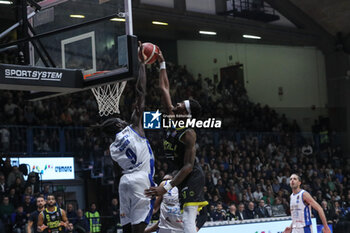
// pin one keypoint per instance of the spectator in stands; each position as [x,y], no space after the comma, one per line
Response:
[14,198]
[46,191]
[221,188]
[14,174]
[19,220]
[60,202]
[29,115]
[66,118]
[3,186]
[231,195]
[28,191]
[258,194]
[18,186]
[5,139]
[6,209]
[329,212]
[33,183]
[9,108]
[207,195]
[231,214]
[338,211]
[269,195]
[71,215]
[82,223]
[241,213]
[28,205]
[114,212]
[284,185]
[249,193]
[245,200]
[251,213]
[219,213]
[278,207]
[275,186]
[94,219]
[7,168]
[261,210]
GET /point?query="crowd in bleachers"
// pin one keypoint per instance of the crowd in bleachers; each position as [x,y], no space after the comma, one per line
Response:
[18,203]
[247,164]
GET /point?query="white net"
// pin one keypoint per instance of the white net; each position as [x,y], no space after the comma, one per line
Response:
[108,97]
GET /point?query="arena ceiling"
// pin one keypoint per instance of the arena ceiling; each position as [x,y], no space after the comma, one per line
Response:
[332,15]
[328,17]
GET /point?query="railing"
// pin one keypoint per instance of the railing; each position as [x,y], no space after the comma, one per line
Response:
[252,5]
[74,141]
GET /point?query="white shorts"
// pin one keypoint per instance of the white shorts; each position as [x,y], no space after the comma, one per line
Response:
[135,207]
[163,230]
[307,229]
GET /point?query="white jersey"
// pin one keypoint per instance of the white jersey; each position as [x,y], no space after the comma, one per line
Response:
[170,214]
[300,211]
[132,152]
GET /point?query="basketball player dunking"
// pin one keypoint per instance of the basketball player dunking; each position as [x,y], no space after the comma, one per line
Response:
[180,145]
[300,207]
[133,154]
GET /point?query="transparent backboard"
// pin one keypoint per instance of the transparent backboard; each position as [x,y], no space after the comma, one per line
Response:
[98,46]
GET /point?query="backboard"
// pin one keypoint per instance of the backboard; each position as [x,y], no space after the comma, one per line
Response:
[72,37]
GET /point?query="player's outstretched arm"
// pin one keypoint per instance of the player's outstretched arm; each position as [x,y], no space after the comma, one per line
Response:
[308,199]
[164,86]
[158,201]
[141,83]
[189,139]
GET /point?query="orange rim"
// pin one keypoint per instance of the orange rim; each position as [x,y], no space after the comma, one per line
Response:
[96,73]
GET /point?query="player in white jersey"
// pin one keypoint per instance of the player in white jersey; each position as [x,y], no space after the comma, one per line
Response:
[170,218]
[133,155]
[300,207]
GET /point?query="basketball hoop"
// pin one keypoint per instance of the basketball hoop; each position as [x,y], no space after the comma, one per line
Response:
[108,96]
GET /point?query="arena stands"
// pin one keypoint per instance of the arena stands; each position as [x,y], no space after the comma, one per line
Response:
[247,163]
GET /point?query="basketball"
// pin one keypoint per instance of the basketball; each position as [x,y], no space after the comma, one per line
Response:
[151,52]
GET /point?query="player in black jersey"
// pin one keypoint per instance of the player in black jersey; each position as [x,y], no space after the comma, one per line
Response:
[180,146]
[53,219]
[33,219]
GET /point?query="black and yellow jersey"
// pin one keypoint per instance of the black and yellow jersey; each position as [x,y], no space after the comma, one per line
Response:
[191,188]
[52,220]
[174,148]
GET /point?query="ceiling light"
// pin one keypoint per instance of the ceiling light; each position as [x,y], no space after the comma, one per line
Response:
[159,23]
[6,2]
[78,16]
[252,37]
[207,33]
[118,19]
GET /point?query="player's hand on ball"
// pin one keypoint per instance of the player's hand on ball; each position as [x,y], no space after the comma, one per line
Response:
[142,56]
[160,56]
[287,230]
[155,191]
